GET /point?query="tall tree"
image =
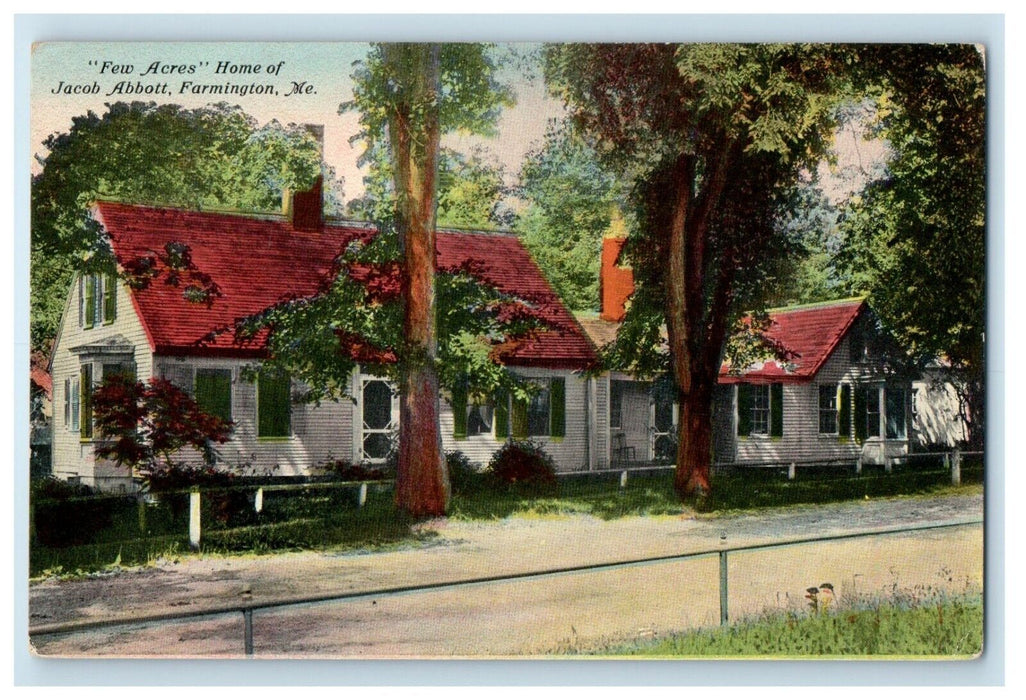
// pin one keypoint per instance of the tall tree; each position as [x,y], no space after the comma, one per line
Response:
[570,201]
[471,190]
[711,135]
[408,94]
[210,157]
[914,240]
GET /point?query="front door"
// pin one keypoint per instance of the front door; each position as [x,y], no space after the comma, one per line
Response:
[379,414]
[663,428]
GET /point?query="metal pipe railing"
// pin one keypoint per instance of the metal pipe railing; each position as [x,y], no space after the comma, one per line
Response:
[247,609]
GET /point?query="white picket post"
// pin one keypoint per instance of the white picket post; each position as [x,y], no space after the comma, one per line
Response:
[791,471]
[194,519]
[258,500]
[623,479]
[956,468]
[362,498]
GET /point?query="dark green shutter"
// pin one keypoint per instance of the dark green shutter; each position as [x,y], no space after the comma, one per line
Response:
[86,410]
[274,405]
[844,413]
[744,409]
[776,410]
[557,397]
[90,301]
[502,415]
[459,413]
[860,414]
[213,389]
[110,297]
[519,418]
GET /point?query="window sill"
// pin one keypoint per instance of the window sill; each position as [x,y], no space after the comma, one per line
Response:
[275,438]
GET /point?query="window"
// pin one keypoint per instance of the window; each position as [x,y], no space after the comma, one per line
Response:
[882,411]
[89,301]
[213,389]
[480,415]
[760,409]
[538,413]
[71,404]
[894,404]
[828,409]
[542,415]
[616,394]
[274,405]
[98,298]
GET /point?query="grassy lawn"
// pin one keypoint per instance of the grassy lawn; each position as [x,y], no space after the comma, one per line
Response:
[943,627]
[88,535]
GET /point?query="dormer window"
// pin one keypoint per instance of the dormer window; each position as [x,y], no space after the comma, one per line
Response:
[97,299]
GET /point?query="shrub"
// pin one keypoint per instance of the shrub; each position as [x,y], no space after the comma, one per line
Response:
[464,477]
[344,470]
[522,465]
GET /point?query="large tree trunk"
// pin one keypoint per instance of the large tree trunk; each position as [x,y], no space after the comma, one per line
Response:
[694,441]
[422,484]
[695,325]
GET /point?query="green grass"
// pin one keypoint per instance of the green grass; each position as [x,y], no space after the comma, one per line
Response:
[89,535]
[942,627]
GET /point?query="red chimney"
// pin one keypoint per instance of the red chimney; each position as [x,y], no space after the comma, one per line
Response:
[307,208]
[616,282]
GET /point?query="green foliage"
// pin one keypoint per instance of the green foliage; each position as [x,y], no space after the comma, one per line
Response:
[464,477]
[915,239]
[209,157]
[941,627]
[570,201]
[522,466]
[145,425]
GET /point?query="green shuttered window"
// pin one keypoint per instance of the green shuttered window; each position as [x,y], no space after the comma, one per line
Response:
[86,412]
[760,409]
[557,395]
[274,405]
[502,415]
[844,413]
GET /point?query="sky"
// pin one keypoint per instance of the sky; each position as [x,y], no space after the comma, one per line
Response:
[109,72]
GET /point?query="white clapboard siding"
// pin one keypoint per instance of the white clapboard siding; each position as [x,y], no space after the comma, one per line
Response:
[71,456]
[570,453]
[320,433]
[801,440]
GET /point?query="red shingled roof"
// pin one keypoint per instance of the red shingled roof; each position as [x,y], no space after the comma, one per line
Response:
[810,332]
[247,264]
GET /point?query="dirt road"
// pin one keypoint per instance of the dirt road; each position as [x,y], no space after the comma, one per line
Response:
[524,617]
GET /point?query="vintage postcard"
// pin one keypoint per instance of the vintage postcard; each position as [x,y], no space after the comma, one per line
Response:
[617,350]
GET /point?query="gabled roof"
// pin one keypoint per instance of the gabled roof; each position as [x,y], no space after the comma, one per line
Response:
[39,375]
[240,265]
[810,333]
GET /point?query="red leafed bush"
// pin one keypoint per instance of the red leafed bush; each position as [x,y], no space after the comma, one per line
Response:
[522,464]
[143,425]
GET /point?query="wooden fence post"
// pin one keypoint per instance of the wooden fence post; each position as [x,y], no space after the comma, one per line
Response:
[858,465]
[956,467]
[791,471]
[623,479]
[888,464]
[361,499]
[140,503]
[194,519]
[258,500]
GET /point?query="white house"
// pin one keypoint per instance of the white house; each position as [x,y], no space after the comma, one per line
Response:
[194,274]
[832,401]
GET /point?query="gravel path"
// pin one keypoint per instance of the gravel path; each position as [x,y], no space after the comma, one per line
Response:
[521,617]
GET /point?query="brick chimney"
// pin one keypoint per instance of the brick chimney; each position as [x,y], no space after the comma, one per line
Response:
[306,209]
[616,281]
